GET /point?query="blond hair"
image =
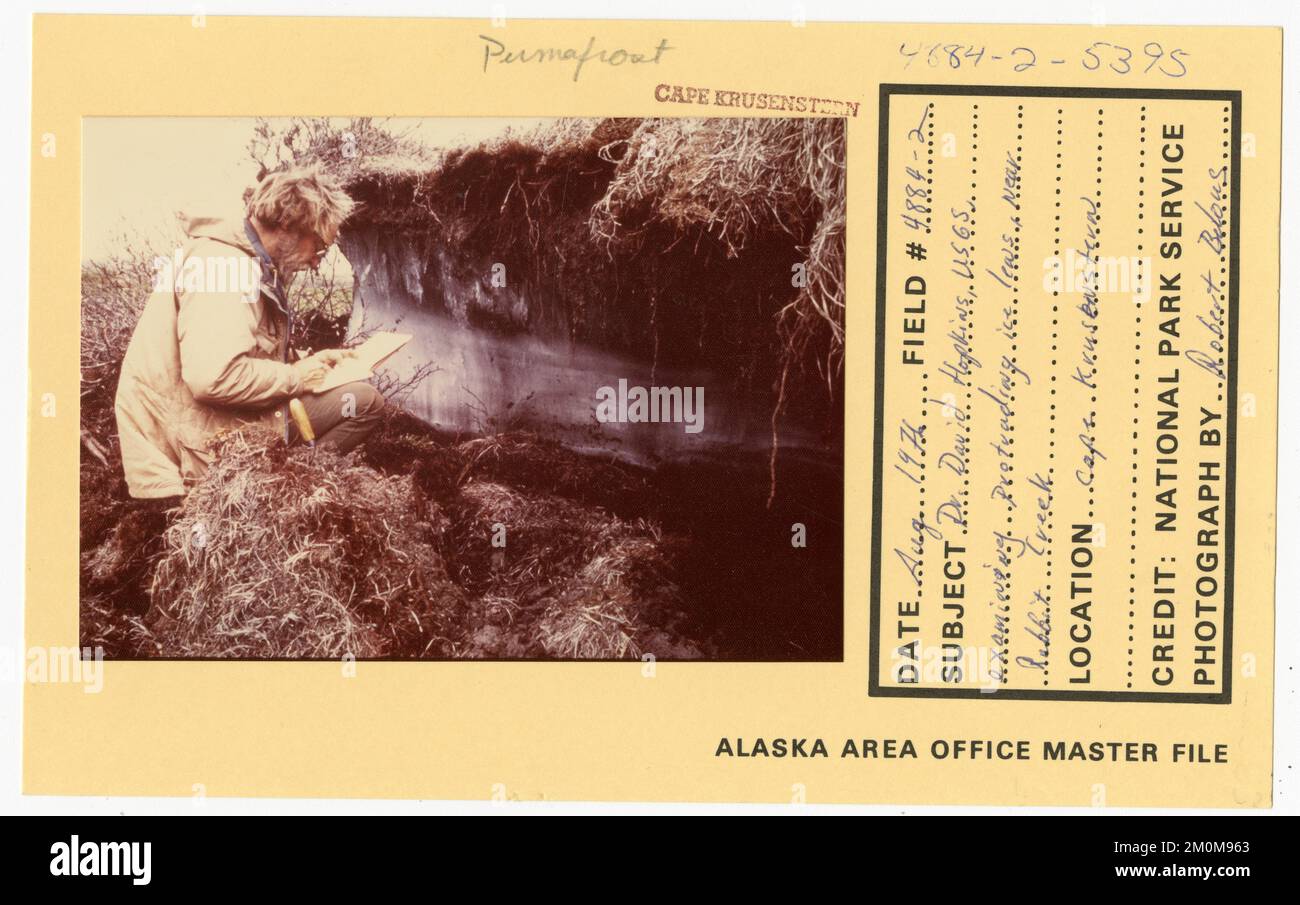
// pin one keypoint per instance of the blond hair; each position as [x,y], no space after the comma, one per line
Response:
[301,198]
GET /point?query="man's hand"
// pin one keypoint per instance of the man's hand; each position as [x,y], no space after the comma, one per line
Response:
[332,357]
[313,368]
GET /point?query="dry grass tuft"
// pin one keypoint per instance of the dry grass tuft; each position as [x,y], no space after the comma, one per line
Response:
[298,554]
[600,612]
[291,553]
[572,581]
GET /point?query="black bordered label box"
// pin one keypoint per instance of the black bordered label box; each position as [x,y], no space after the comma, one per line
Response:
[1056,393]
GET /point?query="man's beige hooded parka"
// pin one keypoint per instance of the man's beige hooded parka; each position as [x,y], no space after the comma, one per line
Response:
[204,356]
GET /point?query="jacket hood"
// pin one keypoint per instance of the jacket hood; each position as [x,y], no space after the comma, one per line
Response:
[227,230]
[230,231]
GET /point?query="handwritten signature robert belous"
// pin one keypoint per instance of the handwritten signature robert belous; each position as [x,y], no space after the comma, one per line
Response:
[496,51]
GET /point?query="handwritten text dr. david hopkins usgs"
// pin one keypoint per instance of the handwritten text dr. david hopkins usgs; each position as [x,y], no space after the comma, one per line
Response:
[495,51]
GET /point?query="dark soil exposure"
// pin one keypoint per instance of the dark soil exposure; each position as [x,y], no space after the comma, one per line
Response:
[493,516]
[743,591]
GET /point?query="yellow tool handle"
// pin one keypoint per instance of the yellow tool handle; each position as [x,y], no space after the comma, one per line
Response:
[299,413]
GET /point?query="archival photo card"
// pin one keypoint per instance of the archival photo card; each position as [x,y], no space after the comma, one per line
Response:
[572,410]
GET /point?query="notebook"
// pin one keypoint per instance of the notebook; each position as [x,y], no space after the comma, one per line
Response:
[368,357]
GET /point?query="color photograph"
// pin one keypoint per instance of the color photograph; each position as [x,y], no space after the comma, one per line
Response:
[463,388]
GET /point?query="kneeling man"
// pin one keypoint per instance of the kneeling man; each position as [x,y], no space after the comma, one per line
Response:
[211,349]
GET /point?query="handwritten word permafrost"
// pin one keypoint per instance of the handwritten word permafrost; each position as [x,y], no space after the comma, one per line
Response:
[590,51]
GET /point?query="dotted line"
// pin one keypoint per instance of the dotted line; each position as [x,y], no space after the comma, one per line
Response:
[1096,333]
[1137,364]
[1051,410]
[925,377]
[1015,332]
[970,309]
[929,166]
[1223,256]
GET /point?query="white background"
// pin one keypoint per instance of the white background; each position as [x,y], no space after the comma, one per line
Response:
[15,58]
